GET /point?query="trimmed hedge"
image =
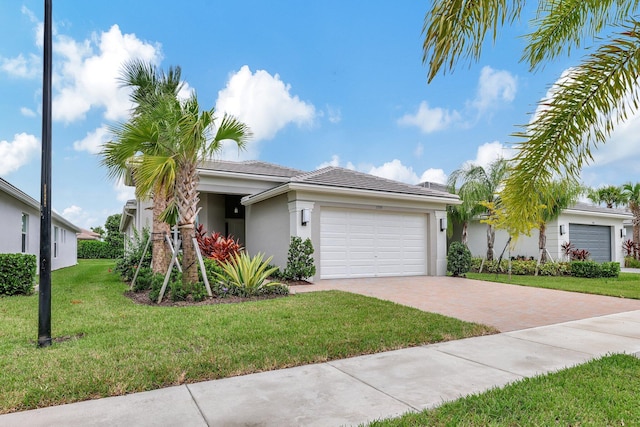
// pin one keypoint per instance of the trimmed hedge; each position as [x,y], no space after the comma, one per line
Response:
[458,259]
[96,249]
[17,274]
[592,269]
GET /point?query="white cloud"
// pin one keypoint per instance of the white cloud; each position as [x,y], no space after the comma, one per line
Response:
[495,87]
[397,171]
[430,119]
[27,112]
[263,102]
[22,67]
[335,162]
[434,175]
[88,75]
[123,192]
[490,152]
[93,141]
[18,152]
[80,217]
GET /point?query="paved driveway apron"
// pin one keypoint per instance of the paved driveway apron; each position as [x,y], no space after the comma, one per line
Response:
[505,307]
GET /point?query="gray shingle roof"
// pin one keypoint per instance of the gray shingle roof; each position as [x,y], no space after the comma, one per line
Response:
[586,207]
[251,167]
[346,178]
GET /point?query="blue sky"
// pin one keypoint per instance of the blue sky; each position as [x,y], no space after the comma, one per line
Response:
[319,83]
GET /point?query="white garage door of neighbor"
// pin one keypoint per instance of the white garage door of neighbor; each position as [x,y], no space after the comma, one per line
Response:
[368,243]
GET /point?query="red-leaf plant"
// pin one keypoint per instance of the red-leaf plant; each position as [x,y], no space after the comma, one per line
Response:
[216,246]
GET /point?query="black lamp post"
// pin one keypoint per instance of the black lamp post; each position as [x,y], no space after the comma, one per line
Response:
[44,309]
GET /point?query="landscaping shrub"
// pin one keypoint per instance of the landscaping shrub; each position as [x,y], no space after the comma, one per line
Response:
[458,259]
[248,275]
[587,269]
[17,274]
[216,246]
[631,262]
[126,265]
[96,249]
[554,269]
[299,260]
[610,269]
[523,268]
[144,279]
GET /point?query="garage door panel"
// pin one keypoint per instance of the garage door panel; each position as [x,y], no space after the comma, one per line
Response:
[594,238]
[374,243]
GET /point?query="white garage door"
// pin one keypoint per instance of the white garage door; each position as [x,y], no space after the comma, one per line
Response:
[367,243]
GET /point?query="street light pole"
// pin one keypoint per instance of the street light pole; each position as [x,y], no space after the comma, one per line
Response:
[44,309]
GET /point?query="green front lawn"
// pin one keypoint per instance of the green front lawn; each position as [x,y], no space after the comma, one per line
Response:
[115,346]
[603,392]
[625,286]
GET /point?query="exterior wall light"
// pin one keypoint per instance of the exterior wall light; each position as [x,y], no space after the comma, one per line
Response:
[623,232]
[443,224]
[563,230]
[305,216]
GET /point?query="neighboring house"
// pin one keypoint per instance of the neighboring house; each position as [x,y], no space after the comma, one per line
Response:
[597,229]
[88,235]
[360,225]
[20,228]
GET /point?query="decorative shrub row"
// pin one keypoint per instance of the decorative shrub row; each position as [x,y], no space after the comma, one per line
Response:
[528,268]
[96,249]
[593,269]
[17,274]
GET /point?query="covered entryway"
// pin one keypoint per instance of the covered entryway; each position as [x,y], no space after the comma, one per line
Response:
[594,238]
[371,243]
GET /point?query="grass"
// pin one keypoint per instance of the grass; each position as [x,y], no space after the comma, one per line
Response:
[117,347]
[627,285]
[602,392]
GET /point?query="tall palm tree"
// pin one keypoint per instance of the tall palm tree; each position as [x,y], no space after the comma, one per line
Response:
[558,196]
[137,137]
[632,192]
[610,195]
[476,184]
[583,108]
[193,136]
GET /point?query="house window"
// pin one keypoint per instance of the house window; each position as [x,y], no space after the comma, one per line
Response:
[55,242]
[64,236]
[25,232]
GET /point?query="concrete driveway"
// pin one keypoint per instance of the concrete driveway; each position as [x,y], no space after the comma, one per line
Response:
[505,307]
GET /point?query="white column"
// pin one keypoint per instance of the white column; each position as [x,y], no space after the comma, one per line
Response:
[440,239]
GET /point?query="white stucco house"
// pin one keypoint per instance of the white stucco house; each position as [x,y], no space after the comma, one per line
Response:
[599,230]
[20,228]
[360,225]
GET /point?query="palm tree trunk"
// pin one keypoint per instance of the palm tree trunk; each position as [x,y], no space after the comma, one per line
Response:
[465,234]
[188,198]
[491,237]
[542,242]
[161,256]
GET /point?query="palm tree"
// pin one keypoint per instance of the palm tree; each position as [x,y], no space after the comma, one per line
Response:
[138,138]
[476,184]
[632,192]
[558,196]
[194,138]
[610,195]
[584,106]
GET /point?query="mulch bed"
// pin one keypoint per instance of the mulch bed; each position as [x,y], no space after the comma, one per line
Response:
[142,297]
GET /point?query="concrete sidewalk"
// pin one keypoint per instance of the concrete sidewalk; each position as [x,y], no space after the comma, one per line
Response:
[359,389]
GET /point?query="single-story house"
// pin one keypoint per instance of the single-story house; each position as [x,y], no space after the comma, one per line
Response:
[85,234]
[20,228]
[599,230]
[360,225]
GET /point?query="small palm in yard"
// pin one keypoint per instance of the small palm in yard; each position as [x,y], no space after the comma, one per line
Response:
[247,274]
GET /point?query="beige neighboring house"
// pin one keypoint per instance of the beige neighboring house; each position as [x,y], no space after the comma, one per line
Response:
[85,234]
[599,230]
[20,227]
[360,225]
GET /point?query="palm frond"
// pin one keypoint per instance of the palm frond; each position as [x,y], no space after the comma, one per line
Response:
[581,113]
[562,25]
[455,29]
